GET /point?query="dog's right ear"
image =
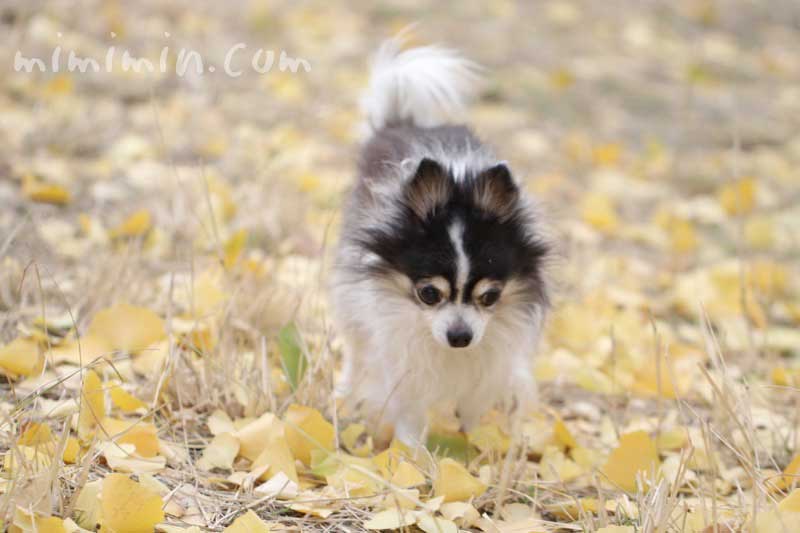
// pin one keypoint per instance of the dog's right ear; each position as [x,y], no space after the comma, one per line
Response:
[429,189]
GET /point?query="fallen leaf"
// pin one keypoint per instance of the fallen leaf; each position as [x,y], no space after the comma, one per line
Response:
[20,357]
[278,486]
[24,521]
[143,435]
[253,435]
[307,430]
[220,453]
[463,514]
[82,351]
[276,454]
[92,404]
[599,211]
[124,400]
[293,359]
[249,522]
[636,453]
[356,440]
[455,483]
[127,328]
[407,476]
[785,517]
[129,507]
[135,225]
[219,422]
[738,198]
[123,458]
[36,433]
[489,438]
[430,524]
[555,466]
[233,248]
[46,193]
[391,519]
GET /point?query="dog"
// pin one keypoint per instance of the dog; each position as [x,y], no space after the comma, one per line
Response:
[439,286]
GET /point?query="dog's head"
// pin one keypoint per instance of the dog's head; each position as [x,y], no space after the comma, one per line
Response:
[461,256]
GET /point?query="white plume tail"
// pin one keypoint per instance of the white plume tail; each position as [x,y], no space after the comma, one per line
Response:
[426,86]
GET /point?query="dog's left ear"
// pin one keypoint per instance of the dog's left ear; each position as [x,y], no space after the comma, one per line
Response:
[429,188]
[496,192]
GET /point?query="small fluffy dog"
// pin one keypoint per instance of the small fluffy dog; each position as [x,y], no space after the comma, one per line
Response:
[438,287]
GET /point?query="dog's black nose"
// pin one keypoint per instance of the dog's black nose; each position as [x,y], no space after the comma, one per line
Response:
[459,337]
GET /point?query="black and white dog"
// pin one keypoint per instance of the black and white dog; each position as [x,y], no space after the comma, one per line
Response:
[439,287]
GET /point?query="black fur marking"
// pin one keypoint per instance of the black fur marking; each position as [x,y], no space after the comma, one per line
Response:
[498,247]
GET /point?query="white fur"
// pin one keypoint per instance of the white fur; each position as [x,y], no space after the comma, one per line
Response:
[428,86]
[397,370]
[456,232]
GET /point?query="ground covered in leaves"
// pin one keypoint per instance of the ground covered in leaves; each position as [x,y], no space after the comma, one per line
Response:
[165,348]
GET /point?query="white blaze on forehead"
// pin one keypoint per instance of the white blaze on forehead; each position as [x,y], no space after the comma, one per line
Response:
[456,232]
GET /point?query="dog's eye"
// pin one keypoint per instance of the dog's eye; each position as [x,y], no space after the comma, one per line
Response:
[429,295]
[490,297]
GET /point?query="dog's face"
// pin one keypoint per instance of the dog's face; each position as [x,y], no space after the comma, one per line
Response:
[460,259]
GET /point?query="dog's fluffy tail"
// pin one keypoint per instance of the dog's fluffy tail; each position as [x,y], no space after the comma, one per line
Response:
[426,86]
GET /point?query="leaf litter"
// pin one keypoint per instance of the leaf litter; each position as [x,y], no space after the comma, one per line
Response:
[165,348]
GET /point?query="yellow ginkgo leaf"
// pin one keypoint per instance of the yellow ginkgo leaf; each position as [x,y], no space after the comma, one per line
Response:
[128,328]
[783,518]
[562,436]
[636,453]
[135,225]
[791,474]
[24,521]
[143,435]
[46,193]
[682,235]
[455,483]
[489,438]
[387,461]
[598,211]
[607,154]
[307,430]
[391,519]
[219,422]
[30,458]
[249,522]
[738,198]
[20,357]
[92,404]
[463,514]
[82,351]
[71,451]
[220,453]
[88,506]
[124,400]
[207,293]
[254,434]
[356,440]
[354,476]
[275,453]
[35,434]
[407,475]
[128,506]
[233,248]
[769,278]
[555,466]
